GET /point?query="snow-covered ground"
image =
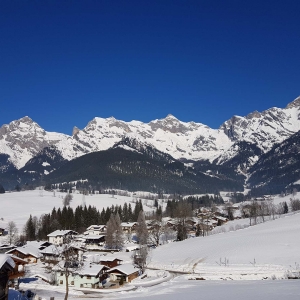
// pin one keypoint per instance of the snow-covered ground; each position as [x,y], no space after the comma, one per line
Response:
[266,250]
[235,263]
[17,206]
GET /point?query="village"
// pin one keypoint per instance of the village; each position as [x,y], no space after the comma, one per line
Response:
[91,261]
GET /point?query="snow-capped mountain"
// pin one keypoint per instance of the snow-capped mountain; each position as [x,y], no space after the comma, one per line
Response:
[266,128]
[23,139]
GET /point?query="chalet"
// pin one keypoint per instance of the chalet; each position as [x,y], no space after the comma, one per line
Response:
[2,230]
[153,225]
[220,220]
[93,242]
[95,230]
[7,265]
[19,269]
[59,237]
[110,262]
[29,253]
[128,227]
[127,271]
[87,275]
[51,254]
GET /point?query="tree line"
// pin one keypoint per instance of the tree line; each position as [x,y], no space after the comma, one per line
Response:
[77,220]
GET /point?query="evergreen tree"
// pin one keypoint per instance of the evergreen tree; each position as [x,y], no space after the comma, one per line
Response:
[2,190]
[30,229]
[285,208]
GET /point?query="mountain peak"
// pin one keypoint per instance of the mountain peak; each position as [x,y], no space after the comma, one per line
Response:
[170,116]
[295,103]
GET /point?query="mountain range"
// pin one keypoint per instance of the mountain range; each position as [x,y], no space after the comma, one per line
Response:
[232,154]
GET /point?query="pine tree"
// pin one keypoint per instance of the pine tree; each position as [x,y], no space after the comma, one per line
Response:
[30,229]
[2,190]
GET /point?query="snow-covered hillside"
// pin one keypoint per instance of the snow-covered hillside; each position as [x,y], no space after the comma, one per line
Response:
[18,206]
[266,250]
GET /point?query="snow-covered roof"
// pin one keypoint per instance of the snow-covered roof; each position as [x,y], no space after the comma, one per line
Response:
[61,233]
[90,269]
[128,224]
[125,269]
[109,258]
[85,269]
[4,258]
[27,250]
[52,249]
[96,227]
[93,237]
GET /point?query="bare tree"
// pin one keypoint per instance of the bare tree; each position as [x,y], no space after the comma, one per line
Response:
[141,229]
[156,232]
[72,261]
[67,199]
[183,211]
[114,233]
[12,232]
[140,257]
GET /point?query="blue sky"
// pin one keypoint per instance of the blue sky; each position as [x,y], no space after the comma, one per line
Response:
[65,62]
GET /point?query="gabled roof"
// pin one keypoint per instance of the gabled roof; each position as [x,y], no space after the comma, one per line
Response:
[52,249]
[4,258]
[27,250]
[126,269]
[18,259]
[85,269]
[96,227]
[91,269]
[61,233]
[128,224]
[109,258]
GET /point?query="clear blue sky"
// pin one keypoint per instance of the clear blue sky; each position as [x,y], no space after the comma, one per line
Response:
[65,62]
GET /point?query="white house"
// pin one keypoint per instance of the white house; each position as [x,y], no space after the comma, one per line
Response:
[59,237]
[95,230]
[87,275]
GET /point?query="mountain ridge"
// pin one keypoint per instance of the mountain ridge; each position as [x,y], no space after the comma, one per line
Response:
[22,139]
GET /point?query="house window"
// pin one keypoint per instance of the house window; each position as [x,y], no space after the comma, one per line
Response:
[72,282]
[88,277]
[61,282]
[81,285]
[61,274]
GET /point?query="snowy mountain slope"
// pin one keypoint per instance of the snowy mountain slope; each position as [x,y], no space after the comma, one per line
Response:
[278,168]
[266,128]
[274,245]
[23,139]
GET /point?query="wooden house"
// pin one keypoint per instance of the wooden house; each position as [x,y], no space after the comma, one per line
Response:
[19,269]
[27,252]
[110,262]
[128,227]
[127,271]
